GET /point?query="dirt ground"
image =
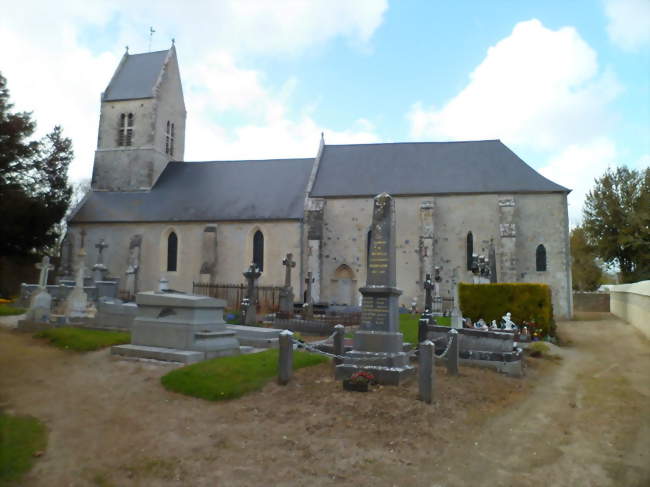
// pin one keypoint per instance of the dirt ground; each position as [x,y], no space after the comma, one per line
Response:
[583,420]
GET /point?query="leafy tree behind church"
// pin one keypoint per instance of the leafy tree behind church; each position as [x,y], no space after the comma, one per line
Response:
[34,191]
[586,274]
[617,221]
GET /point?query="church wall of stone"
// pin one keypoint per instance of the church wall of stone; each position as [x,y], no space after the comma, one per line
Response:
[347,221]
[543,220]
[234,251]
[169,105]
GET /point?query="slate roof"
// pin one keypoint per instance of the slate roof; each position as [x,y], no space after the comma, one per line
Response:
[136,76]
[208,191]
[426,168]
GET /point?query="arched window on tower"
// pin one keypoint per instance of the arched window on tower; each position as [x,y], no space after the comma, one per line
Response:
[258,250]
[125,131]
[470,250]
[172,252]
[540,258]
[169,138]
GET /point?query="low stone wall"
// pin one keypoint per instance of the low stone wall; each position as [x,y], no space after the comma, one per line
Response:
[591,302]
[631,302]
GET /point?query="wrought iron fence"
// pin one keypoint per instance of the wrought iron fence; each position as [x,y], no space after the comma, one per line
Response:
[268,297]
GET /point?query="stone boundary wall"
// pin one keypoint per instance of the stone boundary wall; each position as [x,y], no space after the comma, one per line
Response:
[583,301]
[631,302]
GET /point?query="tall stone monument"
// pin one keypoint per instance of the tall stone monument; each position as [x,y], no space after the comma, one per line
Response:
[378,344]
[250,309]
[77,301]
[456,314]
[286,293]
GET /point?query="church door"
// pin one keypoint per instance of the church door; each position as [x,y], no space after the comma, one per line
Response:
[343,286]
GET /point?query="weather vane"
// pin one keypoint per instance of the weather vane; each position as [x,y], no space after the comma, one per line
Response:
[151,33]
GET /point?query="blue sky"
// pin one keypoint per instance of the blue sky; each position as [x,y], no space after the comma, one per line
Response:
[566,85]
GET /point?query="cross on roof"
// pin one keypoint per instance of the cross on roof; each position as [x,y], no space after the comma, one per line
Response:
[45,267]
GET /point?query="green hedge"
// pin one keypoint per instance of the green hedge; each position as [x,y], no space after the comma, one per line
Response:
[526,302]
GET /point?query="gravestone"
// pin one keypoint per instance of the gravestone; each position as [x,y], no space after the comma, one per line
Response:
[67,256]
[378,344]
[77,301]
[428,298]
[179,328]
[133,265]
[308,306]
[286,293]
[40,303]
[456,314]
[252,274]
[99,269]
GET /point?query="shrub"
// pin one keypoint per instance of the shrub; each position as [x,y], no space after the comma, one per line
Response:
[527,302]
[537,349]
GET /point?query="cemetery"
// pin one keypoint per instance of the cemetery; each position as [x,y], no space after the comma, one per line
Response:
[262,370]
[378,314]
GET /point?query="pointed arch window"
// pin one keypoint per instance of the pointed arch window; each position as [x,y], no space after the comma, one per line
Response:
[470,250]
[172,252]
[169,138]
[258,250]
[540,258]
[125,132]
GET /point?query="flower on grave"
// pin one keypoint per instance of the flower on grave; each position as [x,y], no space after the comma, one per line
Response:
[362,377]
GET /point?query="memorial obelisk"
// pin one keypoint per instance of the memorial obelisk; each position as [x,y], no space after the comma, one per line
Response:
[378,344]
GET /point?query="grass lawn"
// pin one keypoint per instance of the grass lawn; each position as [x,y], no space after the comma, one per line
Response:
[408,325]
[6,310]
[20,438]
[232,377]
[82,339]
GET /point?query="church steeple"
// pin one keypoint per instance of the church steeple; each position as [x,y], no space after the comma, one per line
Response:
[142,122]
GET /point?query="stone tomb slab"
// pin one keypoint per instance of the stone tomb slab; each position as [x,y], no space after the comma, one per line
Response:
[172,321]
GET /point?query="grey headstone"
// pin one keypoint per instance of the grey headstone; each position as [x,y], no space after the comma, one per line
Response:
[252,274]
[426,371]
[286,293]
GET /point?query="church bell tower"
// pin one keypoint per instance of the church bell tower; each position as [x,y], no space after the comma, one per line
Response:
[141,123]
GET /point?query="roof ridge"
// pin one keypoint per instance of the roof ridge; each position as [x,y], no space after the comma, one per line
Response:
[150,52]
[237,161]
[414,143]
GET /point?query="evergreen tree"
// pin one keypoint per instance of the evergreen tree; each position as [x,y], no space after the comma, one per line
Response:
[617,221]
[34,192]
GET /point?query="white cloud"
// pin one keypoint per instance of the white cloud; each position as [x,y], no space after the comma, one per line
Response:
[577,167]
[629,23]
[58,68]
[537,87]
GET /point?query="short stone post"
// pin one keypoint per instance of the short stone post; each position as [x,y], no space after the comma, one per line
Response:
[452,353]
[285,368]
[422,330]
[339,347]
[426,372]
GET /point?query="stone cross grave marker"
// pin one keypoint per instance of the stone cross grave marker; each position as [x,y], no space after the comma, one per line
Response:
[252,274]
[45,267]
[99,269]
[378,344]
[308,308]
[286,293]
[40,303]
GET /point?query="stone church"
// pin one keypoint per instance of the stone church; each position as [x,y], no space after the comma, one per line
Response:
[207,221]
